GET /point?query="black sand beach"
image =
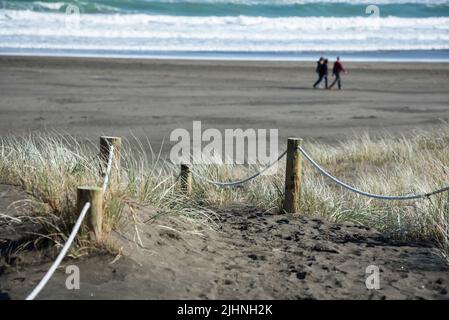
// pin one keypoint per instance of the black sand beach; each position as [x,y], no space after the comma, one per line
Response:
[150,98]
[252,254]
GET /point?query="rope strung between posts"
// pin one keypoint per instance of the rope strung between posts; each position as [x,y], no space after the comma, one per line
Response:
[239,182]
[108,169]
[61,255]
[368,194]
[73,234]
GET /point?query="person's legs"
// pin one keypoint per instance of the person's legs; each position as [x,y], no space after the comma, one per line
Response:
[339,82]
[335,81]
[318,81]
[325,81]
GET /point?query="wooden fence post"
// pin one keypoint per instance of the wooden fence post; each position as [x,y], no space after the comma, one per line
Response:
[186,179]
[293,172]
[94,215]
[105,147]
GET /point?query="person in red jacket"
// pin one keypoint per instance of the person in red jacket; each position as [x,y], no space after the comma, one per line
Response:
[338,69]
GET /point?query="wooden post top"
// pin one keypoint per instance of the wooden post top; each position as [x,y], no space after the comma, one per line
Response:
[108,141]
[110,138]
[295,141]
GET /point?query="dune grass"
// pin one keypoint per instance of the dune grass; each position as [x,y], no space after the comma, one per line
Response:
[50,167]
[388,165]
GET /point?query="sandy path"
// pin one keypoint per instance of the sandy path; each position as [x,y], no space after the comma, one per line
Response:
[254,255]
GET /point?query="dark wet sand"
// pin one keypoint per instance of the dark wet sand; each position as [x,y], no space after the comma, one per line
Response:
[253,255]
[89,97]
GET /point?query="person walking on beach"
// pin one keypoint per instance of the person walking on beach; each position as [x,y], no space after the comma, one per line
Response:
[322,71]
[318,64]
[337,70]
[318,68]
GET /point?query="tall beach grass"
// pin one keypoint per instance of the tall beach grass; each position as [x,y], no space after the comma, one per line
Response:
[50,167]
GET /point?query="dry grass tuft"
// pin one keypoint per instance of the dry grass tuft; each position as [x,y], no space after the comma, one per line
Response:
[50,167]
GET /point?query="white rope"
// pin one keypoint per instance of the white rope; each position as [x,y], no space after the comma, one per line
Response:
[239,182]
[73,234]
[368,194]
[108,169]
[61,255]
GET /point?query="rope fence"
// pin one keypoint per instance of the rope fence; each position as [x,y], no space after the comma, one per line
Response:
[88,198]
[61,254]
[369,194]
[242,181]
[294,154]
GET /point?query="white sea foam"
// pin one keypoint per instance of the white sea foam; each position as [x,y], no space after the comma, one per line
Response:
[141,32]
[50,5]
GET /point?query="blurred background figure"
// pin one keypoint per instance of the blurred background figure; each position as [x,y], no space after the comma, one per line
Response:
[337,70]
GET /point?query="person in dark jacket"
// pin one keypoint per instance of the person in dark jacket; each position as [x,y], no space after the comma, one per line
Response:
[318,64]
[322,71]
[337,70]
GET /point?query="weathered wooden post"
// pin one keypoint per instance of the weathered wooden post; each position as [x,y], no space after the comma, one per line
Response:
[293,172]
[105,149]
[186,179]
[94,216]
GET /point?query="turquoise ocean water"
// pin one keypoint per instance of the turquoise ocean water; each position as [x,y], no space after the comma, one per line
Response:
[228,29]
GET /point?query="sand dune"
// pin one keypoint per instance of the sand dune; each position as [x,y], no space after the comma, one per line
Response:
[252,255]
